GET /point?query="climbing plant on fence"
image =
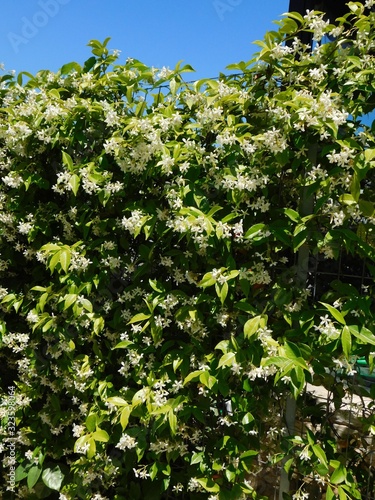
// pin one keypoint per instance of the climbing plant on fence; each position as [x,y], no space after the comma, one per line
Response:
[156,308]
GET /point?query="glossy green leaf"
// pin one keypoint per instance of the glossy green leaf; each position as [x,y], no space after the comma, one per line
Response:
[335,313]
[92,448]
[100,435]
[320,454]
[363,334]
[53,478]
[193,376]
[74,182]
[330,495]
[252,326]
[33,476]
[91,422]
[172,419]
[124,417]
[207,379]
[227,359]
[67,160]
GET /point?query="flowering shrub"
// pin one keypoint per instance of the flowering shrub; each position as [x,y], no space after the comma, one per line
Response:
[157,305]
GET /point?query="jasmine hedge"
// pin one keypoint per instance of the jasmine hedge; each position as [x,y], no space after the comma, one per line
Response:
[158,311]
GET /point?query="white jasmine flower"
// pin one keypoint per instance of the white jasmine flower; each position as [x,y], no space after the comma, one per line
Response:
[126,441]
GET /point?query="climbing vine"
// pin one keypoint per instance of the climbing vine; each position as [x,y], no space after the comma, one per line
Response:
[158,307]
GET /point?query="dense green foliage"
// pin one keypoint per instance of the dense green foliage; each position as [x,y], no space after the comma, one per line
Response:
[157,310]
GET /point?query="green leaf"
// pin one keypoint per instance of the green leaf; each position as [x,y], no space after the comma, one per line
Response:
[81,441]
[292,350]
[283,296]
[227,359]
[335,313]
[115,400]
[346,341]
[197,458]
[92,448]
[48,325]
[69,67]
[254,231]
[54,260]
[33,476]
[91,421]
[339,475]
[355,187]
[67,161]
[193,376]
[369,154]
[74,183]
[53,478]
[330,495]
[299,236]
[123,344]
[367,208]
[292,214]
[320,454]
[347,199]
[222,291]
[86,304]
[207,379]
[98,325]
[363,334]
[172,419]
[124,417]
[295,15]
[139,317]
[207,280]
[251,326]
[21,472]
[101,435]
[288,465]
[69,300]
[222,345]
[297,381]
[247,419]
[39,288]
[342,494]
[209,485]
[64,259]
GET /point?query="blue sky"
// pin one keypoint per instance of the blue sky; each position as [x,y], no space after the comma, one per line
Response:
[208,34]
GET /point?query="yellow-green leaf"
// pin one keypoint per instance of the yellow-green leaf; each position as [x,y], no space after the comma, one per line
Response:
[193,375]
[320,454]
[251,326]
[227,359]
[172,419]
[92,448]
[74,183]
[91,422]
[124,417]
[67,160]
[100,435]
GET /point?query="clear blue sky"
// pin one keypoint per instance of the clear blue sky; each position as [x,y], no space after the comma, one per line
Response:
[208,34]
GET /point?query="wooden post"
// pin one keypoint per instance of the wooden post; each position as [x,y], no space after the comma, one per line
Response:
[302,269]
